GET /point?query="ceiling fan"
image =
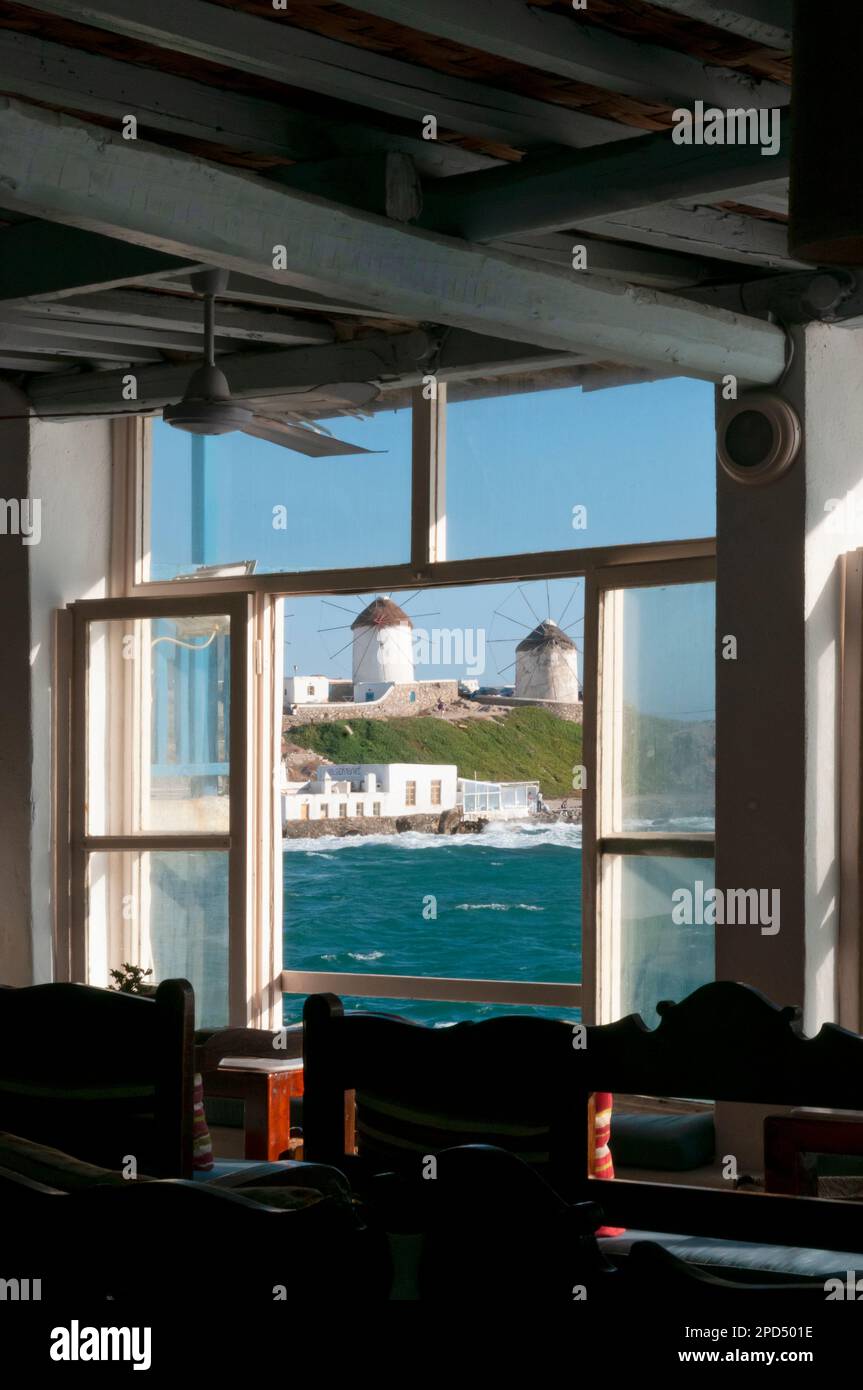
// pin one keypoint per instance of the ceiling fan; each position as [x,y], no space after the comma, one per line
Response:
[207,407]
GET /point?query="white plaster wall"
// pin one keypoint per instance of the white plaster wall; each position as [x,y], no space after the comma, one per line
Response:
[547,672]
[381,783]
[70,471]
[297,690]
[383,654]
[834,524]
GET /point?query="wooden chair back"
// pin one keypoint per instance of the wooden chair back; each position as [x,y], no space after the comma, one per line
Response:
[99,1074]
[421,1090]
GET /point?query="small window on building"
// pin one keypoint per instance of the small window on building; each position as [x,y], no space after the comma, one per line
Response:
[361,810]
[310,690]
[435,793]
[343,810]
[376,808]
[410,793]
[304,810]
[325,811]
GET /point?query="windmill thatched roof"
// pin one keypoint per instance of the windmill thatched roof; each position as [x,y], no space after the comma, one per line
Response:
[382,612]
[546,634]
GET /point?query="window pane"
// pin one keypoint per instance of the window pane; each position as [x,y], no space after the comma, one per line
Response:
[158,725]
[165,911]
[235,501]
[554,470]
[453,718]
[661,944]
[659,708]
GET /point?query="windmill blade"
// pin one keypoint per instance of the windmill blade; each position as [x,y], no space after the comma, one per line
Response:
[305,440]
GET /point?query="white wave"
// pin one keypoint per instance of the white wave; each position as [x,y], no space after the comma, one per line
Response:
[498,907]
[366,955]
[500,835]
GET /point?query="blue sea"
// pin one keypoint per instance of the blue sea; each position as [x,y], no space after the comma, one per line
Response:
[507,906]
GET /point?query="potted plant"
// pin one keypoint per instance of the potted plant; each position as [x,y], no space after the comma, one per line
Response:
[131,979]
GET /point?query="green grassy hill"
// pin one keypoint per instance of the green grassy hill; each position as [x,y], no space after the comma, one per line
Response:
[525,745]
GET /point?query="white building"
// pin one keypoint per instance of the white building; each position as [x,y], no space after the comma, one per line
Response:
[382,646]
[546,665]
[307,690]
[366,791]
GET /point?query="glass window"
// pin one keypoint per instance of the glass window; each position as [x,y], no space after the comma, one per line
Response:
[662,937]
[567,468]
[234,501]
[662,748]
[166,911]
[500,905]
[170,679]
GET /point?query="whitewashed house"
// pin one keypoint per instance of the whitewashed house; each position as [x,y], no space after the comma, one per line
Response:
[364,791]
[306,690]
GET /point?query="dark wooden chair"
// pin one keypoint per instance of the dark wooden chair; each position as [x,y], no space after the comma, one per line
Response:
[419,1090]
[99,1074]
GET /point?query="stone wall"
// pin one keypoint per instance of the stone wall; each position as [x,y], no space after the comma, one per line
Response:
[396,704]
[429,822]
[570,712]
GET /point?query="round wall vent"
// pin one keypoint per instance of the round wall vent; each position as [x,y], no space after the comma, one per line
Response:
[757,437]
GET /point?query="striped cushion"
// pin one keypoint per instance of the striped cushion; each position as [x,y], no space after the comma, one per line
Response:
[202,1144]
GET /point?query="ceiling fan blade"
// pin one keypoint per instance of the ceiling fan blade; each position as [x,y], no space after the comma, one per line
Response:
[313,443]
[314,401]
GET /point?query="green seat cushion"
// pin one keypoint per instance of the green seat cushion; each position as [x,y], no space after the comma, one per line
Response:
[670,1143]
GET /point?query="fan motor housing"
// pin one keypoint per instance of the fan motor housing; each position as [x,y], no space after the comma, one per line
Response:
[758,437]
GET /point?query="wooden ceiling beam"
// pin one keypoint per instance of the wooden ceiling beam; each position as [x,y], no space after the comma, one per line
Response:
[570,46]
[14,338]
[311,62]
[186,207]
[74,80]
[765,22]
[568,190]
[398,359]
[171,315]
[703,231]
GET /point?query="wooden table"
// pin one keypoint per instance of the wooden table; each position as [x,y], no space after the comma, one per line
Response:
[265,1087]
[788,1138]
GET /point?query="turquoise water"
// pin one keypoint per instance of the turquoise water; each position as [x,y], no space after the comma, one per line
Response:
[508,906]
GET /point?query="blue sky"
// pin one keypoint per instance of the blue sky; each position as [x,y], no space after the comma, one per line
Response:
[639,461]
